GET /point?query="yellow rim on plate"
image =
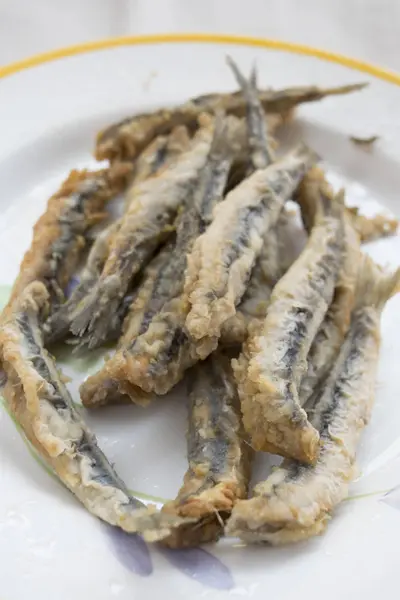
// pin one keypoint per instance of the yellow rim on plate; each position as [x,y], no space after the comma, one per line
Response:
[203,38]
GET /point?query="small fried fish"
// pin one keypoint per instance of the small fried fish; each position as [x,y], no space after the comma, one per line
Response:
[220,264]
[152,210]
[111,383]
[296,500]
[59,234]
[154,351]
[128,137]
[273,359]
[334,327]
[161,153]
[219,458]
[39,400]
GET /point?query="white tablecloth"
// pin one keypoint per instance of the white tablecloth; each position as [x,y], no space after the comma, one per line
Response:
[365,29]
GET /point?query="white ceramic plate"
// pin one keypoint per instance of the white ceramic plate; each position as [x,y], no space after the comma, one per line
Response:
[50,547]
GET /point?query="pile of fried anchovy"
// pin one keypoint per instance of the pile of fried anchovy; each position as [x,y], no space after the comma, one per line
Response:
[200,273]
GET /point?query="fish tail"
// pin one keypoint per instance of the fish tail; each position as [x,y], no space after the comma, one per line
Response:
[248,86]
[240,78]
[375,285]
[86,311]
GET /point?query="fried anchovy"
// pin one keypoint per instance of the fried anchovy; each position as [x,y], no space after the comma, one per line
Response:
[111,384]
[271,265]
[147,222]
[41,403]
[155,351]
[59,234]
[296,500]
[128,137]
[161,153]
[334,327]
[165,346]
[255,299]
[219,458]
[273,360]
[222,259]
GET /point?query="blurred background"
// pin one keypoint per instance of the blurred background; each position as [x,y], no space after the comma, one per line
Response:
[365,29]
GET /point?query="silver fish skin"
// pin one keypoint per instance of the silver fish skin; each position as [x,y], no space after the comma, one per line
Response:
[110,384]
[40,402]
[154,357]
[268,381]
[148,221]
[57,325]
[219,458]
[277,255]
[127,138]
[234,330]
[220,264]
[336,323]
[59,236]
[296,501]
[160,154]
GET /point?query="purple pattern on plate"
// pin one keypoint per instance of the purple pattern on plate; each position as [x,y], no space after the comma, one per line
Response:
[200,565]
[130,550]
[71,285]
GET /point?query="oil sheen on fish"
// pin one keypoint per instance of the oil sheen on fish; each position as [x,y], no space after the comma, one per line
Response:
[155,351]
[152,210]
[38,398]
[220,264]
[59,234]
[334,327]
[218,456]
[296,500]
[273,359]
[128,137]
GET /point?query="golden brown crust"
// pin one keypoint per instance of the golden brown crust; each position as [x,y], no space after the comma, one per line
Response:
[372,228]
[219,458]
[35,265]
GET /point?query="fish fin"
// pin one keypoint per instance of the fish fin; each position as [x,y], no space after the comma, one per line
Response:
[375,285]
